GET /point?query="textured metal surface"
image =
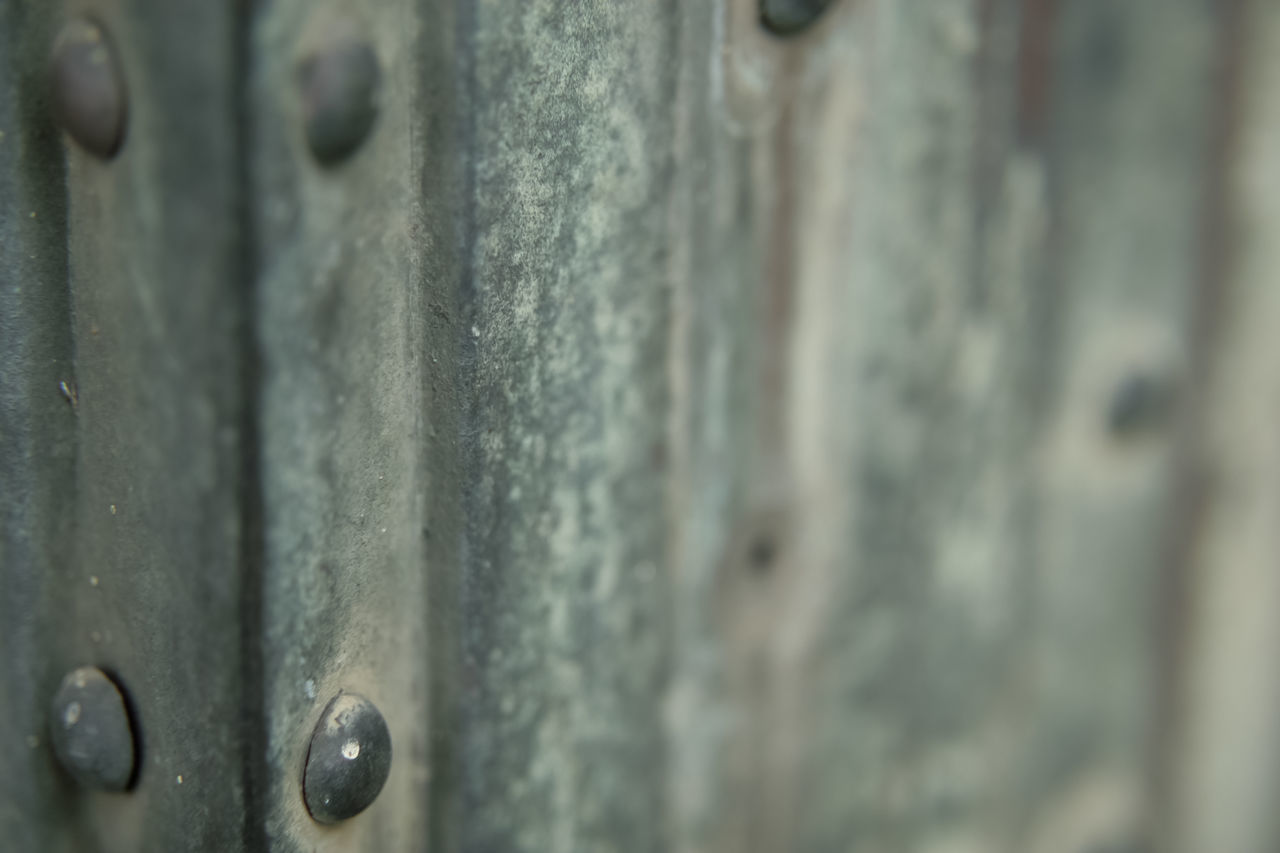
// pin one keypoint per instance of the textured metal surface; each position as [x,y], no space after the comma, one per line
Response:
[90,730]
[342,312]
[896,361]
[690,439]
[561,611]
[37,434]
[121,444]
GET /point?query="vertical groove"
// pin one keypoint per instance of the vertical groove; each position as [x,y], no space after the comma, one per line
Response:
[447,579]
[1191,486]
[253,710]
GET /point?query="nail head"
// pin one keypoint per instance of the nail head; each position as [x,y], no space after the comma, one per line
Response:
[88,93]
[90,730]
[339,85]
[349,759]
[786,17]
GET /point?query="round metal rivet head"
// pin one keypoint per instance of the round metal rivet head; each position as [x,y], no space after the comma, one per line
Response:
[90,730]
[87,88]
[1141,402]
[339,98]
[791,16]
[349,760]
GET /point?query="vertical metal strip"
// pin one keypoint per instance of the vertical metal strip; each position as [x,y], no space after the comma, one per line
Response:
[37,432]
[155,583]
[347,271]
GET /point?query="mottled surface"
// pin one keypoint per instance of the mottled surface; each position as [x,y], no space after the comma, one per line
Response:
[562,605]
[341,313]
[689,438]
[122,436]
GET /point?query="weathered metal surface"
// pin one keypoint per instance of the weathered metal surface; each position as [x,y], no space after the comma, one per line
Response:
[342,314]
[37,435]
[156,586]
[122,435]
[688,438]
[562,604]
[899,353]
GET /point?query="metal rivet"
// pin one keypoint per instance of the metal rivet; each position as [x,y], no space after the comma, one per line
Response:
[1140,402]
[349,759]
[339,97]
[790,16]
[90,730]
[87,88]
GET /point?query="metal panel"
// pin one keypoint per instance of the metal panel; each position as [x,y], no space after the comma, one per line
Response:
[562,626]
[342,316]
[917,554]
[123,545]
[689,438]
[37,433]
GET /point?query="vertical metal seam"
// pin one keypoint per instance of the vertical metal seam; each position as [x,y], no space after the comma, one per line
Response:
[445,703]
[253,710]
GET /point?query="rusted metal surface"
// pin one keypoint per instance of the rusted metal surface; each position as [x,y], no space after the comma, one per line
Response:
[687,437]
[37,429]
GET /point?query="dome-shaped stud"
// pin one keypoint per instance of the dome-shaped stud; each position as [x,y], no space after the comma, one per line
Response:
[87,90]
[349,759]
[339,84]
[786,17]
[90,730]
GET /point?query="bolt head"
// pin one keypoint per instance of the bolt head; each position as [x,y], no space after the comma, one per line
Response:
[349,759]
[87,88]
[1141,402]
[339,84]
[90,730]
[791,16]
